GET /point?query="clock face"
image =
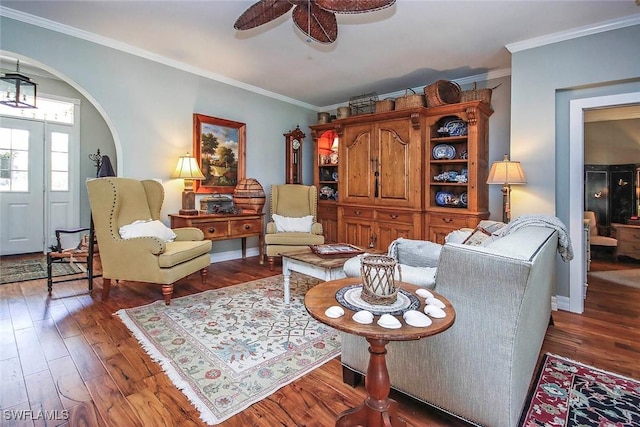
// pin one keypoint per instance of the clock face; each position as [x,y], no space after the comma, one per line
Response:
[295,144]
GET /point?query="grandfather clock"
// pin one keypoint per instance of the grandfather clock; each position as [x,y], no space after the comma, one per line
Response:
[293,162]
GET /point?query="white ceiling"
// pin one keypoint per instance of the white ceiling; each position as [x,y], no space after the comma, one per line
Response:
[411,44]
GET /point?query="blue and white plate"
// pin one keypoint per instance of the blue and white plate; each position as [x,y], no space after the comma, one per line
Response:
[456,127]
[444,152]
[444,198]
[464,199]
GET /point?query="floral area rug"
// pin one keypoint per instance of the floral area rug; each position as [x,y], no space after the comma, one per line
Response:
[229,348]
[568,393]
[32,269]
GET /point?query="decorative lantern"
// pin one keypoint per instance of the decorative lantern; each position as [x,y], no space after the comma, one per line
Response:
[17,90]
[379,286]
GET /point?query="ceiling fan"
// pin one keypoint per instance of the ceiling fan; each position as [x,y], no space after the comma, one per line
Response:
[315,18]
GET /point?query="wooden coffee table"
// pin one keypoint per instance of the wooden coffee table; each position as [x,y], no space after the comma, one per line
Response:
[377,410]
[306,262]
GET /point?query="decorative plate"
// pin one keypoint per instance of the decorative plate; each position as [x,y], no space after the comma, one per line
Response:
[444,198]
[455,127]
[444,152]
[349,297]
[334,176]
[463,199]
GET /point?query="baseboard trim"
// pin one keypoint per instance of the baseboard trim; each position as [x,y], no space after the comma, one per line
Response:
[230,255]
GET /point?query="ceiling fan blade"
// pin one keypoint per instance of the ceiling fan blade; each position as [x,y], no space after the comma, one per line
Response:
[262,12]
[354,6]
[317,23]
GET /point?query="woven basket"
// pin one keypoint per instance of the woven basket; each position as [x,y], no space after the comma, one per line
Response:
[442,92]
[474,94]
[385,105]
[378,285]
[409,100]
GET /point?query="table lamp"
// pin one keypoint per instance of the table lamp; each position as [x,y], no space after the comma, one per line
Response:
[188,170]
[506,173]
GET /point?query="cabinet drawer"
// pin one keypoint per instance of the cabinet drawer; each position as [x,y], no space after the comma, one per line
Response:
[328,212]
[631,249]
[628,235]
[213,230]
[395,216]
[355,212]
[245,227]
[450,221]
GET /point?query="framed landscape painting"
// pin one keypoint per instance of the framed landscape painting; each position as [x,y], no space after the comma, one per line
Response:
[219,146]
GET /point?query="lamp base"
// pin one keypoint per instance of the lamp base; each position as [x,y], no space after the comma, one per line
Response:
[188,212]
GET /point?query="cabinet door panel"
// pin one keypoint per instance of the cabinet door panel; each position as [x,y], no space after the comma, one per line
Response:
[358,233]
[388,232]
[394,164]
[356,166]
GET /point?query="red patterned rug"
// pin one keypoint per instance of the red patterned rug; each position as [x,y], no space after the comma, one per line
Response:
[568,393]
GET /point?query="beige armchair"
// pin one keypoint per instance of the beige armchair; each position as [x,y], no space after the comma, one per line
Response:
[595,236]
[116,202]
[293,202]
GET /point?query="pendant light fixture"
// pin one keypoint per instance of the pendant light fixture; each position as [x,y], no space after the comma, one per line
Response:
[17,90]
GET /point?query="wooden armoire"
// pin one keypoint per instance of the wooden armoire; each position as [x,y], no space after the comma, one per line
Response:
[385,174]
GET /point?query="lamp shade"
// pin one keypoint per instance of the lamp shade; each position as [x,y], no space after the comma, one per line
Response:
[506,172]
[187,168]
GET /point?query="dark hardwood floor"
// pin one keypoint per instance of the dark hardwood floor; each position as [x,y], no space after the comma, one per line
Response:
[67,354]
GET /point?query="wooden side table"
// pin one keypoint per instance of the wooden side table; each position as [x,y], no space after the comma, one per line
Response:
[377,410]
[226,227]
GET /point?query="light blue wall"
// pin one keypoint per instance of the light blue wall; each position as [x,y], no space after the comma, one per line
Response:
[544,80]
[149,108]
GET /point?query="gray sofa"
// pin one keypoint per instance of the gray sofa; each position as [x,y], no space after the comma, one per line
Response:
[480,369]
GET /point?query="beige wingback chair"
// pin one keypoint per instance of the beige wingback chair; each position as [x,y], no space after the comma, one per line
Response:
[116,202]
[292,201]
[595,239]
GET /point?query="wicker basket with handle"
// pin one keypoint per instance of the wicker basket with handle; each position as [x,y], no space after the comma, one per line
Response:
[442,92]
[474,94]
[409,100]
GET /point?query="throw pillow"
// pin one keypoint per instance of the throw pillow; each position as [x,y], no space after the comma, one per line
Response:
[147,228]
[477,237]
[289,224]
[457,236]
[416,253]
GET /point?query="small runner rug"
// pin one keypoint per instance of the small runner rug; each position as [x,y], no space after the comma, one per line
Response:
[32,269]
[620,277]
[570,394]
[229,348]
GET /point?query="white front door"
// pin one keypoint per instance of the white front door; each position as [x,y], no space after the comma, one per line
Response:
[21,186]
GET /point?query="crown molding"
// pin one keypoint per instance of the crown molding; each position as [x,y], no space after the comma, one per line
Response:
[123,47]
[587,30]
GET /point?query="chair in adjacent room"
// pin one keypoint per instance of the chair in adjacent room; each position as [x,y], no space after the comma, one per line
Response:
[293,225]
[134,245]
[597,237]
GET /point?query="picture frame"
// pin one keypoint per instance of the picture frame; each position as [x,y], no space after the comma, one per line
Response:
[219,147]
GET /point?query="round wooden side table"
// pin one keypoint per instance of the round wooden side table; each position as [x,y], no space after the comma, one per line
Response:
[377,410]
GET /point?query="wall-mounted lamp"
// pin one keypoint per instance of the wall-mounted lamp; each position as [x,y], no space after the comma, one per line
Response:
[506,173]
[188,170]
[17,90]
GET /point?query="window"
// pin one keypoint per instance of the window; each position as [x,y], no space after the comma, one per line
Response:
[14,159]
[49,110]
[59,161]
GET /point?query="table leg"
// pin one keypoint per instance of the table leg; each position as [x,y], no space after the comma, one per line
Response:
[377,410]
[244,248]
[287,276]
